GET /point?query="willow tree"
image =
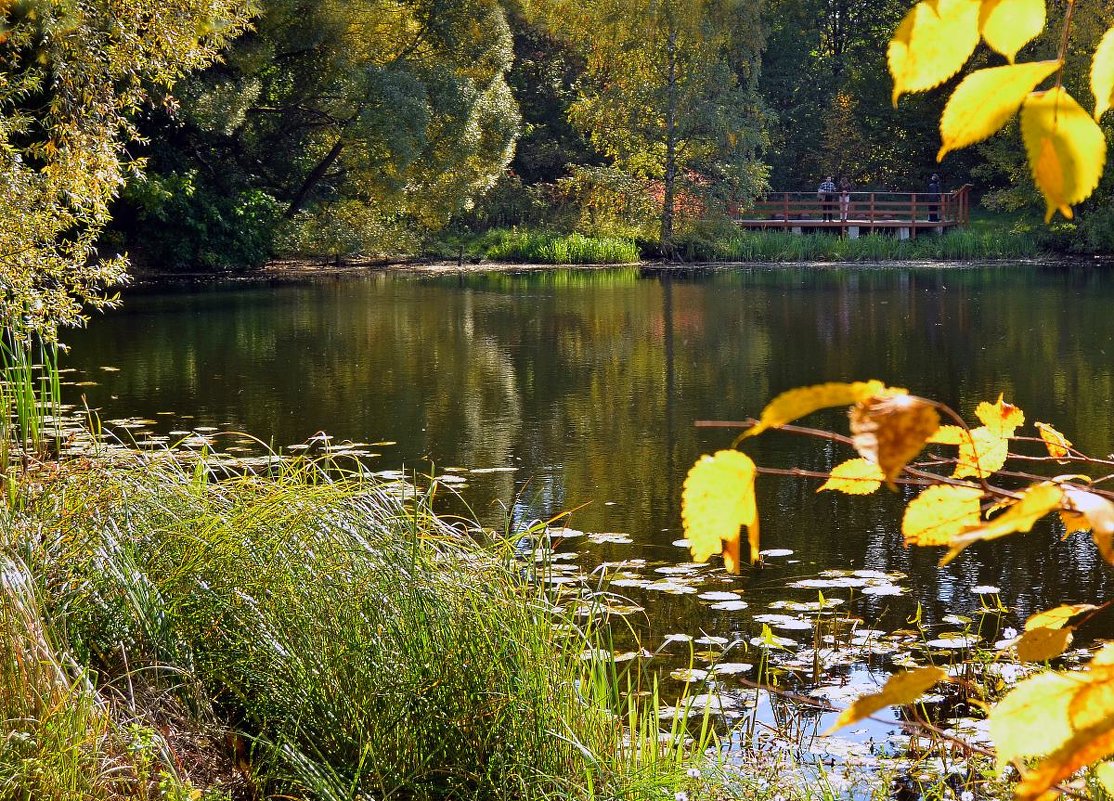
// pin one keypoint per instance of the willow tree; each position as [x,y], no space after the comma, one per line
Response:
[72,77]
[669,91]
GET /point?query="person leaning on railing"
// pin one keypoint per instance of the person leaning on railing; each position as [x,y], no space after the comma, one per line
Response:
[826,195]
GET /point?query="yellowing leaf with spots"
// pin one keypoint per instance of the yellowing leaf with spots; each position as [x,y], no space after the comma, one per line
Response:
[899,690]
[1056,443]
[1000,417]
[1066,149]
[940,513]
[932,44]
[1008,25]
[948,435]
[890,430]
[1034,503]
[718,499]
[981,452]
[1102,74]
[854,477]
[1041,645]
[1056,618]
[794,403]
[985,101]
[1066,718]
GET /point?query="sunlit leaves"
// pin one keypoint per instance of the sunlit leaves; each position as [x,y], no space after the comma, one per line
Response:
[985,101]
[1020,516]
[1102,74]
[940,513]
[900,689]
[1056,618]
[891,429]
[794,403]
[717,500]
[1056,442]
[1066,718]
[1094,512]
[854,477]
[1066,149]
[1008,25]
[948,435]
[932,44]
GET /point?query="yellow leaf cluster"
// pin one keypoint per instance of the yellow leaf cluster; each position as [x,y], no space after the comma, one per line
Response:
[1086,510]
[854,477]
[891,429]
[985,449]
[718,499]
[1065,147]
[1020,516]
[1066,719]
[900,689]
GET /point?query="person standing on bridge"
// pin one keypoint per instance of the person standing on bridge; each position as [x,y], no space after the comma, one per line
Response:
[844,197]
[826,195]
[934,190]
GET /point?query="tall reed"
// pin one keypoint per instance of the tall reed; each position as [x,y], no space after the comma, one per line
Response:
[360,645]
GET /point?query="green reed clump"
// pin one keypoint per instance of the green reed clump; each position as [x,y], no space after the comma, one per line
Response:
[361,646]
[545,247]
[782,246]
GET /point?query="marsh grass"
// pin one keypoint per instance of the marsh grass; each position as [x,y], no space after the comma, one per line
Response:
[776,246]
[545,247]
[353,644]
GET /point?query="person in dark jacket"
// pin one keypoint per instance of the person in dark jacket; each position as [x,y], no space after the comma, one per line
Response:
[826,195]
[934,191]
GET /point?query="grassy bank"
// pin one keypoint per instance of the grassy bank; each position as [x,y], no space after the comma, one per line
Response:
[168,637]
[543,247]
[778,246]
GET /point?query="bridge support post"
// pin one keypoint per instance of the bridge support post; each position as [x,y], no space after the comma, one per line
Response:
[902,233]
[796,229]
[852,232]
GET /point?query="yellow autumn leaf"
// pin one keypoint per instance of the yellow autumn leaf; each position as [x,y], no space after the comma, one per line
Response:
[1090,721]
[1066,149]
[1008,25]
[899,690]
[1041,645]
[932,44]
[1097,514]
[981,452]
[1000,417]
[1034,503]
[940,513]
[948,435]
[795,403]
[718,498]
[854,477]
[1104,775]
[1032,719]
[1056,443]
[890,430]
[1056,618]
[985,101]
[1102,74]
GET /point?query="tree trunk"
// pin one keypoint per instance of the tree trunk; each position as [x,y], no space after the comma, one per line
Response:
[315,175]
[670,182]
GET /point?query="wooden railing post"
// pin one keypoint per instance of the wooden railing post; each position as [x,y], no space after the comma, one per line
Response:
[913,217]
[785,204]
[871,211]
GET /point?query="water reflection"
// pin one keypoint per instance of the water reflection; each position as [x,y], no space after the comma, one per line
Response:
[588,382]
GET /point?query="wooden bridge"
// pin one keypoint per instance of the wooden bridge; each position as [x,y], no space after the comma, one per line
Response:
[902,214]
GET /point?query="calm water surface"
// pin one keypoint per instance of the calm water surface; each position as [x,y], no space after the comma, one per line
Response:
[587,384]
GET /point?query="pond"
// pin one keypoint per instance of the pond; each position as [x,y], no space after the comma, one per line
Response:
[541,392]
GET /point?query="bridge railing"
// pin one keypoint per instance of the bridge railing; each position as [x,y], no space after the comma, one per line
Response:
[865,208]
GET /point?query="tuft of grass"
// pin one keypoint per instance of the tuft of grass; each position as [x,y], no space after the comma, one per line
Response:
[545,247]
[353,644]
